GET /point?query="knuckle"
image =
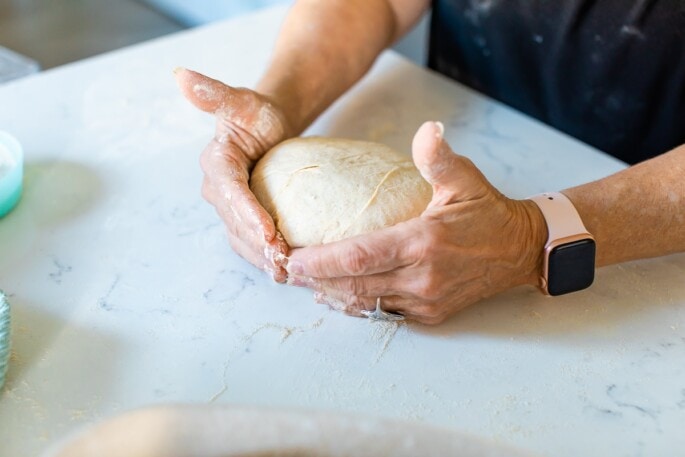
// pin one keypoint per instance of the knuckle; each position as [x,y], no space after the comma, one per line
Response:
[356,261]
[429,289]
[361,302]
[421,290]
[427,310]
[204,160]
[432,320]
[431,243]
[206,191]
[237,185]
[211,154]
[434,239]
[233,241]
[353,302]
[234,233]
[216,157]
[431,313]
[349,286]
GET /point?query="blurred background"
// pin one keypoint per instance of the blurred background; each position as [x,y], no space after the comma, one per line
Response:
[41,34]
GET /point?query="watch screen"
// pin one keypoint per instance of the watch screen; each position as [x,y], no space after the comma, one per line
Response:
[571,267]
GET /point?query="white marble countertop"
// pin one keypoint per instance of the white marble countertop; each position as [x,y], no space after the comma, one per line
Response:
[125,292]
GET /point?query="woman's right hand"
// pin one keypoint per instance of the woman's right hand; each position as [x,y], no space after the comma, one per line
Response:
[248,124]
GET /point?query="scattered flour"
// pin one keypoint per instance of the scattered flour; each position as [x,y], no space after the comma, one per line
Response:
[286,331]
[384,333]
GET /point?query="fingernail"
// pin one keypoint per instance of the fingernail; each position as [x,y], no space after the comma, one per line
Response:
[294,268]
[441,129]
[177,70]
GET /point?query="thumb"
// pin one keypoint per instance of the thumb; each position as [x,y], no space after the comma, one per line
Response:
[454,178]
[205,93]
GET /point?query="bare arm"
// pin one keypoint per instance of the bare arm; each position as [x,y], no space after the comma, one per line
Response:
[638,212]
[473,242]
[326,46]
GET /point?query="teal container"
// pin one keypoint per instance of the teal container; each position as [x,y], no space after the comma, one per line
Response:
[4,336]
[11,172]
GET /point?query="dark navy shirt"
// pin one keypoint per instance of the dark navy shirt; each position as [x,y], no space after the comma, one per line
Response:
[608,72]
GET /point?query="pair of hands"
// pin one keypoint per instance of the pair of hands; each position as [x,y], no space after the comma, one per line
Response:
[471,242]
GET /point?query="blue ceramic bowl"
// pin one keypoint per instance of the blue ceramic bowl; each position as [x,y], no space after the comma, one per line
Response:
[11,172]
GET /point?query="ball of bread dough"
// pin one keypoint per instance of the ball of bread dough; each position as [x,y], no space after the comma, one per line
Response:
[320,190]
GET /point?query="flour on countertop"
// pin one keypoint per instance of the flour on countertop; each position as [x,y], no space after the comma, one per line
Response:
[384,332]
[286,331]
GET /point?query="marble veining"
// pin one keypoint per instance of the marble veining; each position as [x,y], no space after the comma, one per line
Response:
[61,269]
[104,302]
[622,400]
[229,286]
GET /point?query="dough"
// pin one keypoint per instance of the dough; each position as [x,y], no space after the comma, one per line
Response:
[235,431]
[320,190]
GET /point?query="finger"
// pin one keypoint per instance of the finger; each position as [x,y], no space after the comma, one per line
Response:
[454,178]
[247,227]
[352,304]
[376,285]
[270,256]
[411,308]
[205,93]
[333,303]
[231,194]
[276,254]
[427,320]
[375,252]
[355,304]
[246,251]
[245,218]
[256,258]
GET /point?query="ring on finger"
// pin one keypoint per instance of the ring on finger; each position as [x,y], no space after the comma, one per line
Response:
[379,315]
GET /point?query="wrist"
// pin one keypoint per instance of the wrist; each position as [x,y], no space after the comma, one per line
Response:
[535,237]
[570,250]
[287,102]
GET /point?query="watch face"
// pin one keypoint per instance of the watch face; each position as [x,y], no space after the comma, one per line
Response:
[571,267]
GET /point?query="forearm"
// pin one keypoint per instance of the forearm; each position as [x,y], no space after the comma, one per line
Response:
[636,213]
[324,47]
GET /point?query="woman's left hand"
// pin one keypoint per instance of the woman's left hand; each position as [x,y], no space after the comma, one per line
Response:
[470,243]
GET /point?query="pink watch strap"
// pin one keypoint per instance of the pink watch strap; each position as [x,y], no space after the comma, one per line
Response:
[562,219]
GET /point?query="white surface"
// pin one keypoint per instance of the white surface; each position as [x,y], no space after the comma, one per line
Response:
[125,292]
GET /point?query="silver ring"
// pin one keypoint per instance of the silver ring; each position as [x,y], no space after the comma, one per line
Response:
[379,315]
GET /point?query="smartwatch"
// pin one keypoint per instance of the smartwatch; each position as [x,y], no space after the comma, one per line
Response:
[569,254]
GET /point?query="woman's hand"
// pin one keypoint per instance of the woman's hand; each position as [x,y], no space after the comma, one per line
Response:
[470,243]
[248,125]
